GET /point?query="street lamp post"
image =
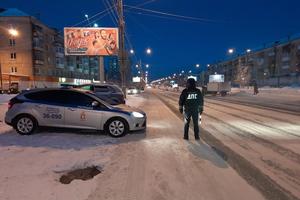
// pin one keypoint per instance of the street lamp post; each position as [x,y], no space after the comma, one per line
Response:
[139,66]
[14,33]
[87,18]
[231,52]
[275,64]
[1,77]
[248,51]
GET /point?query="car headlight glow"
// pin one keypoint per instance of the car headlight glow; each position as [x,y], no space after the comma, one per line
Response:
[137,115]
[134,91]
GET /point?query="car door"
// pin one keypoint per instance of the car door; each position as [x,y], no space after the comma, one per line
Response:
[47,108]
[79,112]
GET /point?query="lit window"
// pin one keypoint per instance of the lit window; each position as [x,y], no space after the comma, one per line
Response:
[13,56]
[12,42]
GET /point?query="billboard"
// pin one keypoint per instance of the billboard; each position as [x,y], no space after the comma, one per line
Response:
[217,78]
[136,79]
[91,41]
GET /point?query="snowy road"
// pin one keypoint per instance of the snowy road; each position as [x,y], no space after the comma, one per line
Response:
[267,136]
[156,164]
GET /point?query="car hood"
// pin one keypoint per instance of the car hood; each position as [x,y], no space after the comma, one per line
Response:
[127,108]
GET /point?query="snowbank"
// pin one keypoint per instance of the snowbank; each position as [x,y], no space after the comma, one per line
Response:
[267,90]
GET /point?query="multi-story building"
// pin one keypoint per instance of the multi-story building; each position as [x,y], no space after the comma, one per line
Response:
[32,54]
[277,64]
[113,72]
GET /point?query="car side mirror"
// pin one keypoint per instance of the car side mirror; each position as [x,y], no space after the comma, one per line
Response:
[95,104]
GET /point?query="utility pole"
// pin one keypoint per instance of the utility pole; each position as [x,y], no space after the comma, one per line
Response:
[276,66]
[1,78]
[122,64]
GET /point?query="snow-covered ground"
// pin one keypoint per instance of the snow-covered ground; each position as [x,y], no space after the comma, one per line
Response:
[156,164]
[264,129]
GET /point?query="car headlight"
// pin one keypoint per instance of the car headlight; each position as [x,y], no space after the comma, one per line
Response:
[137,115]
[134,91]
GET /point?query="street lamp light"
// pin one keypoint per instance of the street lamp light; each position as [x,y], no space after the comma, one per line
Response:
[248,50]
[148,51]
[208,65]
[197,65]
[87,18]
[95,25]
[147,65]
[230,51]
[131,51]
[13,32]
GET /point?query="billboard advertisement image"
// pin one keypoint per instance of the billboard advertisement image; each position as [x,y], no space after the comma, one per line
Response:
[136,79]
[217,78]
[91,41]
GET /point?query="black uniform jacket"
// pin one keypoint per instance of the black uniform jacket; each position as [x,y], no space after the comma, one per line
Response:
[191,100]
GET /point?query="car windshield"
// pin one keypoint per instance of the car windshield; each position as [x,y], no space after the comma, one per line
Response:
[103,102]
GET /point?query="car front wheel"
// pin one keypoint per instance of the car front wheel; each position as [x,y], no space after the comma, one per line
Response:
[117,127]
[25,125]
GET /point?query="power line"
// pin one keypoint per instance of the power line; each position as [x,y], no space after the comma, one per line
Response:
[99,13]
[159,16]
[145,3]
[143,26]
[97,19]
[111,12]
[174,15]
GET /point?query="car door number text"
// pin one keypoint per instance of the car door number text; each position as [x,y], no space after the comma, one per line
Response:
[52,116]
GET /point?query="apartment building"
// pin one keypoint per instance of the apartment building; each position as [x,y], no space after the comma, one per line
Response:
[32,54]
[277,64]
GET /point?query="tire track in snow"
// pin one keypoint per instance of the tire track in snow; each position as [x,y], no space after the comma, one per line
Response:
[253,175]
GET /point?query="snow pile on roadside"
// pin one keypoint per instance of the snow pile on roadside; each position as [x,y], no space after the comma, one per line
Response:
[287,91]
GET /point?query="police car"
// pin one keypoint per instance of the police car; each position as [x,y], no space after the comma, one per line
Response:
[70,108]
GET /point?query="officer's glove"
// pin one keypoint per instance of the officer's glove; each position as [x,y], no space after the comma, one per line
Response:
[200,111]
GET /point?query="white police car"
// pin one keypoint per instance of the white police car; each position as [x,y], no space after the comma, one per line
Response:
[70,108]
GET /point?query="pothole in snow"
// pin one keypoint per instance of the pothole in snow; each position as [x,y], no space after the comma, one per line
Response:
[82,174]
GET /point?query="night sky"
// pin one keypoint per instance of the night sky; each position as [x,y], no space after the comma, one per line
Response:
[180,44]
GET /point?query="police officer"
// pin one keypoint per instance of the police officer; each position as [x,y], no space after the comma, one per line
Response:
[191,104]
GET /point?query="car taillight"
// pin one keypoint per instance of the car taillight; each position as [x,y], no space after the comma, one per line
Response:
[13,101]
[10,105]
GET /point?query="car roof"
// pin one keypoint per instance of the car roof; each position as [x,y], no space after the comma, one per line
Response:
[54,89]
[99,84]
[65,89]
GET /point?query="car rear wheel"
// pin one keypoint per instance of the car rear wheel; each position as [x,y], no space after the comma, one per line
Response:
[25,125]
[117,127]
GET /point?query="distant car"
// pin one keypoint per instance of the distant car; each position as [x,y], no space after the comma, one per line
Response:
[70,108]
[133,90]
[109,93]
